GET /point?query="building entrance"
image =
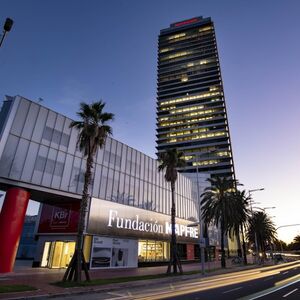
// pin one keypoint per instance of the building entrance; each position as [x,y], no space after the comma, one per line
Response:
[57,254]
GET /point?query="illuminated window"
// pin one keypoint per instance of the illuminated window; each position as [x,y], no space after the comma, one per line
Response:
[205,162]
[153,250]
[205,28]
[188,157]
[176,36]
[184,78]
[196,137]
[165,50]
[188,98]
[175,55]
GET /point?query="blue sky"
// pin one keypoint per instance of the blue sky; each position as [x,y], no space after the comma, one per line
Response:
[70,51]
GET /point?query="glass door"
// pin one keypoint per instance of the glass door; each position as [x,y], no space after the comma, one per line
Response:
[46,253]
[67,254]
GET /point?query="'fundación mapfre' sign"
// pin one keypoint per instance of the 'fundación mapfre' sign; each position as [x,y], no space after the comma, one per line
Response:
[114,219]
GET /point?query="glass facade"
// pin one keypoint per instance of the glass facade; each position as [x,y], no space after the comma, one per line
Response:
[27,244]
[153,251]
[40,150]
[191,109]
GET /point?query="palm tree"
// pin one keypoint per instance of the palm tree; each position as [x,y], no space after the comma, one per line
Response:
[218,207]
[297,239]
[241,216]
[93,131]
[261,228]
[169,161]
[296,242]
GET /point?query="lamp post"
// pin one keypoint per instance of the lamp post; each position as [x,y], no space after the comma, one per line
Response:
[6,28]
[289,225]
[202,242]
[202,253]
[264,209]
[255,235]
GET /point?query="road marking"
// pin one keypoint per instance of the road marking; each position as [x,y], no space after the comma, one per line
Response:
[285,272]
[272,290]
[290,293]
[118,296]
[115,294]
[269,278]
[232,290]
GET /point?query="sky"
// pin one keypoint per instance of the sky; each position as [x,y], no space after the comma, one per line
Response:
[70,51]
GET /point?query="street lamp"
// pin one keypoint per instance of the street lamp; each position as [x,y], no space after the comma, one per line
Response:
[202,242]
[6,28]
[255,235]
[289,225]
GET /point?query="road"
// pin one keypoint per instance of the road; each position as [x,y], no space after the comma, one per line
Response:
[273,282]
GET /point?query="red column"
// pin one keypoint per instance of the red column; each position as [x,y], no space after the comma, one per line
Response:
[11,224]
[190,252]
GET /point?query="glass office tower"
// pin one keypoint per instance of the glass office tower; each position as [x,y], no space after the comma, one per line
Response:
[191,111]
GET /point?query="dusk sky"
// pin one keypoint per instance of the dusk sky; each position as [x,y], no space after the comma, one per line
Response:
[70,51]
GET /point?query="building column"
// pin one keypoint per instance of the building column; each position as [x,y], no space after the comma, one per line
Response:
[11,224]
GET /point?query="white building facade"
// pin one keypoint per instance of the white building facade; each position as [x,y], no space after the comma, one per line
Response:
[129,210]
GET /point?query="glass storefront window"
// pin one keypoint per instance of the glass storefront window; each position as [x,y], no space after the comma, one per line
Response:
[57,254]
[153,250]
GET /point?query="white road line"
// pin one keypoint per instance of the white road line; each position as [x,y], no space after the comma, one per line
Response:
[232,290]
[268,292]
[285,272]
[115,294]
[290,293]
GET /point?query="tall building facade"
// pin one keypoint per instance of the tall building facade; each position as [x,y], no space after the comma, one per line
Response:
[191,111]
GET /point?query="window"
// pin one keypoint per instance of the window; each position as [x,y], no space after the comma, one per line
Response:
[153,250]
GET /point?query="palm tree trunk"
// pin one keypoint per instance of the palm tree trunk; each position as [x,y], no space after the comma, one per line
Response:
[74,272]
[174,259]
[238,239]
[244,246]
[223,261]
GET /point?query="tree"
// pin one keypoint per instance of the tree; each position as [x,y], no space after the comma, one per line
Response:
[296,243]
[261,230]
[297,239]
[218,207]
[279,244]
[240,218]
[93,131]
[169,161]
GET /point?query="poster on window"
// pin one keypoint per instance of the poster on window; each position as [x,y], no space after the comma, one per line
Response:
[114,253]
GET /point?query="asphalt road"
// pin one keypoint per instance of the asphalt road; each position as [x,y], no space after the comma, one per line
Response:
[274,282]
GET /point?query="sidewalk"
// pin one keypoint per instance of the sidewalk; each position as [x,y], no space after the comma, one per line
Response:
[41,278]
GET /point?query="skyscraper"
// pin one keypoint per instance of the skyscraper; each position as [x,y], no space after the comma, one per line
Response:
[191,111]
